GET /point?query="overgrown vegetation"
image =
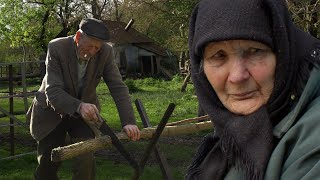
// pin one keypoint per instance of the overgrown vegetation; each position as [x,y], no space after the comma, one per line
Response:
[155,94]
[32,24]
[29,25]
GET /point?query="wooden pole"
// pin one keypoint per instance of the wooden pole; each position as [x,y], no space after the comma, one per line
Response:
[24,86]
[196,119]
[11,110]
[18,156]
[185,82]
[73,150]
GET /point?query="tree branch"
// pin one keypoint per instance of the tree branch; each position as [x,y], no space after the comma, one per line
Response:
[43,30]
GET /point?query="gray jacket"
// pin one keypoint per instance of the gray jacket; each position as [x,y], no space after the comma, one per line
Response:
[59,96]
[297,155]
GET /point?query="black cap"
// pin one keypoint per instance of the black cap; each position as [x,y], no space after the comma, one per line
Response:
[94,28]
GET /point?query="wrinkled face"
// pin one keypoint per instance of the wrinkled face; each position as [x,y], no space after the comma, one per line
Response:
[241,73]
[87,47]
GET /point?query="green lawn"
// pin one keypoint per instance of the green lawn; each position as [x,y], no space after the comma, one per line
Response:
[155,95]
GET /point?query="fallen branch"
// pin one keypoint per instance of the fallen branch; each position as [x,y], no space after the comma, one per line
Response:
[196,119]
[73,150]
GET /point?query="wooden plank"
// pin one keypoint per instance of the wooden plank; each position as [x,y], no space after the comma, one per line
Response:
[28,94]
[14,113]
[18,77]
[18,156]
[14,118]
[17,63]
[163,163]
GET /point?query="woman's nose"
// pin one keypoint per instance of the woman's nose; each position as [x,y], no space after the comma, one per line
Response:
[238,71]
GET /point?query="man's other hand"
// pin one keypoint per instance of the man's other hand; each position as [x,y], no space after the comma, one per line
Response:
[89,112]
[132,132]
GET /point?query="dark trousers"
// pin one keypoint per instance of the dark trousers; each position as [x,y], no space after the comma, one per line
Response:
[84,166]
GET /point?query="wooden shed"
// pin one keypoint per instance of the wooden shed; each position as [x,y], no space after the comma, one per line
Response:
[135,53]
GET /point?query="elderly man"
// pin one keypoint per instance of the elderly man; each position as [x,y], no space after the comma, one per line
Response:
[67,99]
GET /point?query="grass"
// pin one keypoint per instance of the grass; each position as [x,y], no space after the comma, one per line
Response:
[155,95]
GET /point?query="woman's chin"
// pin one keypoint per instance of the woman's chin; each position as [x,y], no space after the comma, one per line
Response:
[244,108]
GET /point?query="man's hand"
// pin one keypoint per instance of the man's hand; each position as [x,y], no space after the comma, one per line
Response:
[89,112]
[132,132]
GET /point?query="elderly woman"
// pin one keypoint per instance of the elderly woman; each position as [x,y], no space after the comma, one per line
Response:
[256,75]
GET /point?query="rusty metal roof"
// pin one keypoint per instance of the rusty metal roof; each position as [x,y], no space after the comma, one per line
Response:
[132,36]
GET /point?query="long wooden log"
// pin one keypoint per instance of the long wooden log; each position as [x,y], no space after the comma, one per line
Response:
[73,150]
[201,118]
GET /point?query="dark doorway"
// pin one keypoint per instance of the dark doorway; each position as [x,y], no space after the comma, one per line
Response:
[123,64]
[155,67]
[146,68]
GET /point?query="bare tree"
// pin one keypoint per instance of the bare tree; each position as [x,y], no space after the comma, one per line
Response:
[306,14]
[116,7]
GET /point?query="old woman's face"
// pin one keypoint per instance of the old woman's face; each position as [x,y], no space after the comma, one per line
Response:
[241,72]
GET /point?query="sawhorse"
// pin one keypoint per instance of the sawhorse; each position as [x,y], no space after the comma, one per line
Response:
[163,163]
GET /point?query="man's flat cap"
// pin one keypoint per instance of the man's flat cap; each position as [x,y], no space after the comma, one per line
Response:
[94,28]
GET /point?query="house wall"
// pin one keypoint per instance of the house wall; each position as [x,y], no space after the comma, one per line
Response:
[132,56]
[129,59]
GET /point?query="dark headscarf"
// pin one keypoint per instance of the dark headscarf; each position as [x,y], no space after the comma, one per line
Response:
[246,142]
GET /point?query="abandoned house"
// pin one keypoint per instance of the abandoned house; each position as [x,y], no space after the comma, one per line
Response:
[137,55]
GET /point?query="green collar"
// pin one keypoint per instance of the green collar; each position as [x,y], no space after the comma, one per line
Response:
[310,92]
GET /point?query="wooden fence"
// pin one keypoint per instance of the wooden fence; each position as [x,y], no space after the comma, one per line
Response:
[31,69]
[11,75]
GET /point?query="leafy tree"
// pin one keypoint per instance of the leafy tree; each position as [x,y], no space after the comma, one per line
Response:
[178,15]
[33,23]
[26,24]
[18,22]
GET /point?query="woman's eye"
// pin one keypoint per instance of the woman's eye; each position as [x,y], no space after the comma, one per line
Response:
[216,59]
[219,55]
[254,53]
[254,50]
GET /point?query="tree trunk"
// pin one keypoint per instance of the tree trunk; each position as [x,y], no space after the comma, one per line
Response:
[43,31]
[115,2]
[73,150]
[94,9]
[182,60]
[185,82]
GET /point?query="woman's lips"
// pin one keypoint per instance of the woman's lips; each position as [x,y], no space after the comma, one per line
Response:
[243,96]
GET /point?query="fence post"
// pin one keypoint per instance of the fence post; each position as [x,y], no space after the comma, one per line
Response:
[24,85]
[11,110]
